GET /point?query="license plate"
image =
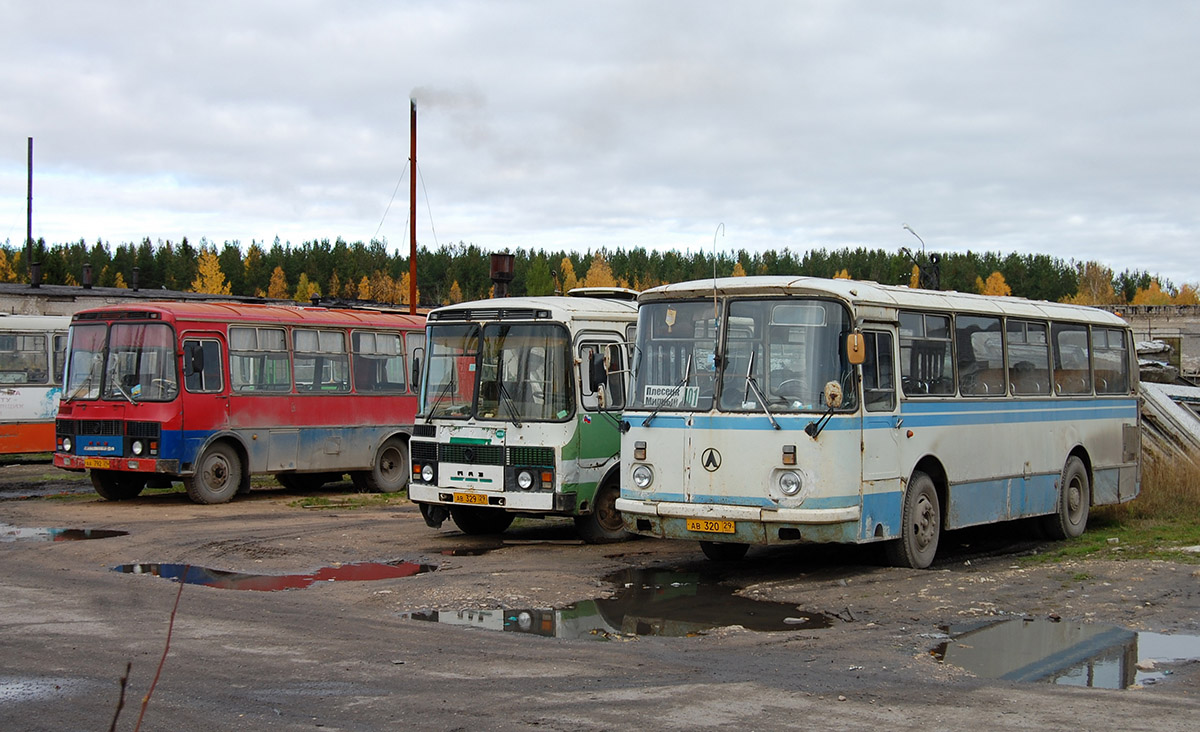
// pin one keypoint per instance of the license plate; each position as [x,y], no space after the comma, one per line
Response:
[95,463]
[475,499]
[711,526]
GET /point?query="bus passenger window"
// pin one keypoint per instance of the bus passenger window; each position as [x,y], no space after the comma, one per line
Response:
[925,354]
[258,360]
[1111,355]
[980,355]
[378,362]
[1028,358]
[879,373]
[321,362]
[1072,365]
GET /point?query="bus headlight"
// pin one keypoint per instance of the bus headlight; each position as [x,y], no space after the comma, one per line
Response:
[137,447]
[427,473]
[643,476]
[67,444]
[790,483]
[525,480]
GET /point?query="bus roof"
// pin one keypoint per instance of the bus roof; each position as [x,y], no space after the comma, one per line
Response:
[548,307]
[231,312]
[863,293]
[34,322]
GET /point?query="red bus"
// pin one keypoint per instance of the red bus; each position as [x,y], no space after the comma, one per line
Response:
[212,393]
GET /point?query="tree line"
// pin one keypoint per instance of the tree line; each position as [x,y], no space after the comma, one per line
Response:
[456,272]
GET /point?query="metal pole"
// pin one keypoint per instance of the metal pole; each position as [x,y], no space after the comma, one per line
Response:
[29,217]
[412,212]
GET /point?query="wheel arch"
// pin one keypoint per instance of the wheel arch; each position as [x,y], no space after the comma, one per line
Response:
[1079,451]
[931,466]
[232,439]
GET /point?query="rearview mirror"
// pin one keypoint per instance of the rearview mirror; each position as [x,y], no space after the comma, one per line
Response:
[856,348]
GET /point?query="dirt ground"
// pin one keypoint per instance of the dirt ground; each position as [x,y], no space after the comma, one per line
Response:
[643,634]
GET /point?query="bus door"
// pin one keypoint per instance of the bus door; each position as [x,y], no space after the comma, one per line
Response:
[602,385]
[205,406]
[882,434]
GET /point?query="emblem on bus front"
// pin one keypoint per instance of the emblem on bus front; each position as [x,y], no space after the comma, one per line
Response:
[710,459]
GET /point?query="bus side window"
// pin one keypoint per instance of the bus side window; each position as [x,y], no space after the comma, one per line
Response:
[1072,364]
[879,372]
[925,354]
[202,366]
[1111,356]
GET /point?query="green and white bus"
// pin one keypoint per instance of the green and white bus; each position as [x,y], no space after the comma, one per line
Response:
[519,411]
[781,410]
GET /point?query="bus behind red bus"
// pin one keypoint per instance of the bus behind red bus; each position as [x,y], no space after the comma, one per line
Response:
[212,393]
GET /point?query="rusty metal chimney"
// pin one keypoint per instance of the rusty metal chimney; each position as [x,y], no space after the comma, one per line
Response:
[502,272]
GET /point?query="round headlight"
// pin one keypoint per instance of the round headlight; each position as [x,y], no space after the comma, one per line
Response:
[790,483]
[643,476]
[525,620]
[427,473]
[525,480]
[137,447]
[67,444]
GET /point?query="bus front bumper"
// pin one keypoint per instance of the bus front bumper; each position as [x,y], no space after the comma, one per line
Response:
[743,524]
[125,465]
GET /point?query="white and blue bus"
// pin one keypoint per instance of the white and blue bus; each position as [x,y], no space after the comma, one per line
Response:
[519,412]
[778,410]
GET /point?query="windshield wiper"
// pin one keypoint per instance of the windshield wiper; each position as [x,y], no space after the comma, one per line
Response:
[752,384]
[687,375]
[441,395]
[508,402]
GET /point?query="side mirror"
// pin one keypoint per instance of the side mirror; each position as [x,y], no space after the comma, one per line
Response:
[597,371]
[856,348]
[193,359]
[416,366]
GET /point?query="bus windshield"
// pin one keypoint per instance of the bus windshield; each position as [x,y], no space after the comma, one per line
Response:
[502,371]
[777,354]
[136,362]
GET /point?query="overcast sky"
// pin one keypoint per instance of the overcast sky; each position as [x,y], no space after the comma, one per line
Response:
[1066,128]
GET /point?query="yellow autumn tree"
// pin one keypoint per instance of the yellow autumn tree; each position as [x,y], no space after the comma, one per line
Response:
[364,288]
[738,270]
[403,287]
[994,285]
[599,273]
[305,290]
[568,281]
[1187,295]
[1095,286]
[335,285]
[843,275]
[209,277]
[915,280]
[7,273]
[278,288]
[456,294]
[119,282]
[1152,295]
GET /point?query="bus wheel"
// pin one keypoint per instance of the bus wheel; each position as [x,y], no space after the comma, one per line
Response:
[721,551]
[1074,498]
[113,485]
[390,472]
[471,520]
[218,476]
[921,525]
[603,525]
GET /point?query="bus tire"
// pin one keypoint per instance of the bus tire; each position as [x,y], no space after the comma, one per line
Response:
[476,521]
[723,551]
[603,525]
[389,473]
[113,485]
[218,475]
[1074,501]
[921,525]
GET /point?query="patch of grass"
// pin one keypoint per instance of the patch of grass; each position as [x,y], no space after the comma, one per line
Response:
[351,501]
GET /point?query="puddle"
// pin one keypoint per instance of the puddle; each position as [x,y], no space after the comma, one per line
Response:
[359,572]
[15,533]
[1065,653]
[662,603]
[474,550]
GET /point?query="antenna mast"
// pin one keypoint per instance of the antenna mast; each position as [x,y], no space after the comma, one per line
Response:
[412,211]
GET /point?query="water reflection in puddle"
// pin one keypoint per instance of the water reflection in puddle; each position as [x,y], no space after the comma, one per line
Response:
[661,603]
[15,533]
[358,572]
[1065,653]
